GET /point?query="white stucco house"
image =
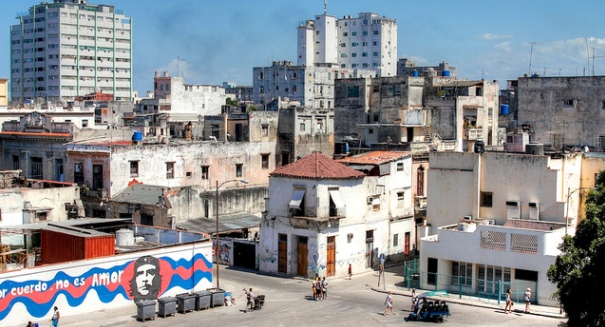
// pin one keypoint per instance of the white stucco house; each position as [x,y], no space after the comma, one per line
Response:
[323,216]
[495,221]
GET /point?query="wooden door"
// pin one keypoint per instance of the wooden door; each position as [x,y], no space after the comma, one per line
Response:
[302,256]
[331,256]
[282,254]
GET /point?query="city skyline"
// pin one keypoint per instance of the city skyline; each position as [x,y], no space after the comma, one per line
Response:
[209,42]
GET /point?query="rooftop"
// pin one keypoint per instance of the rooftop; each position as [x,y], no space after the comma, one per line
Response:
[317,166]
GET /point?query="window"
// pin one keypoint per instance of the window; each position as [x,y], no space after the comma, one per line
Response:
[568,102]
[400,198]
[264,161]
[264,130]
[395,240]
[486,199]
[239,170]
[205,170]
[36,168]
[345,34]
[297,203]
[134,169]
[16,165]
[79,173]
[97,177]
[400,166]
[354,33]
[462,273]
[353,91]
[84,122]
[170,170]
[302,127]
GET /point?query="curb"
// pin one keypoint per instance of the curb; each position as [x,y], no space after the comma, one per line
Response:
[481,305]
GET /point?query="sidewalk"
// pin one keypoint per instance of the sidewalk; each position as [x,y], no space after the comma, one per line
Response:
[392,284]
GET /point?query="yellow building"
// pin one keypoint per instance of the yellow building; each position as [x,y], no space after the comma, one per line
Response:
[3,91]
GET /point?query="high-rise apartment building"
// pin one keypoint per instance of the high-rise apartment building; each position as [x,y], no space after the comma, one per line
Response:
[68,48]
[366,42]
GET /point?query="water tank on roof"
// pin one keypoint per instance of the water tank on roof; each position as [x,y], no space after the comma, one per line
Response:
[534,147]
[504,109]
[124,237]
[137,136]
[445,73]
[415,73]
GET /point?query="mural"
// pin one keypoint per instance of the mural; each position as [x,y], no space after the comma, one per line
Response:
[144,278]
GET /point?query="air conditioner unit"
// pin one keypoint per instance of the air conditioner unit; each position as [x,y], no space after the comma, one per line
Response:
[468,218]
[534,211]
[370,199]
[491,221]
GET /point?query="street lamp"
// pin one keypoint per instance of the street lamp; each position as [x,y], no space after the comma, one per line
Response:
[216,249]
[567,205]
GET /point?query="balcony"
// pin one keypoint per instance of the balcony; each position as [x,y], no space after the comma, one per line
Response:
[472,134]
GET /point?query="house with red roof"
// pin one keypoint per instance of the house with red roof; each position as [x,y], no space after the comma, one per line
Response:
[324,215]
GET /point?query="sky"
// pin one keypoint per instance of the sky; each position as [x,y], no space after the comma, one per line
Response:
[212,41]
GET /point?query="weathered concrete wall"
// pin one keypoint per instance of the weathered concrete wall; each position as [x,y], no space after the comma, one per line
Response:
[569,107]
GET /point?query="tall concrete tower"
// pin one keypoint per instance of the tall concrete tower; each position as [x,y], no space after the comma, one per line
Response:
[70,48]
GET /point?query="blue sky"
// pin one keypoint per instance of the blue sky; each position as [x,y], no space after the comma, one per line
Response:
[212,41]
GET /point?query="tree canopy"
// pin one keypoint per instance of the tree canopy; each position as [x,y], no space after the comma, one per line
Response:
[579,271]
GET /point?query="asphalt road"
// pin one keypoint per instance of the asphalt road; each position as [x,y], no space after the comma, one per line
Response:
[288,302]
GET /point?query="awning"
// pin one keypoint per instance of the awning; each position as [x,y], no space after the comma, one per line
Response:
[335,196]
[297,199]
[227,223]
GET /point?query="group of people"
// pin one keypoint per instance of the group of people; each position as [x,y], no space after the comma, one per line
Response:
[508,307]
[320,289]
[54,320]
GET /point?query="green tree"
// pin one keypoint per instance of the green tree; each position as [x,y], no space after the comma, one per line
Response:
[231,102]
[579,270]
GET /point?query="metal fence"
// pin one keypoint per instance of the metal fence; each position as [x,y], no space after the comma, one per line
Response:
[488,289]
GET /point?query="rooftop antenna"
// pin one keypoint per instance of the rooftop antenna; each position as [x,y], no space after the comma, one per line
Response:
[593,56]
[178,61]
[325,7]
[530,56]
[587,53]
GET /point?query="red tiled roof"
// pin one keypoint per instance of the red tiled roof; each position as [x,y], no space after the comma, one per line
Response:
[317,166]
[375,157]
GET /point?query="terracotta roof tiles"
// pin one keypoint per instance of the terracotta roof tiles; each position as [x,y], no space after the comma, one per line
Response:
[375,157]
[317,166]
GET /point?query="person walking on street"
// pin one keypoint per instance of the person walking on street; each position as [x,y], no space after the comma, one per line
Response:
[350,271]
[56,316]
[509,302]
[318,289]
[389,303]
[414,299]
[250,298]
[324,288]
[527,299]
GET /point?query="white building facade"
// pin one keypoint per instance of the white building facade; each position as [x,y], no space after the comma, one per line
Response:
[63,49]
[365,42]
[323,217]
[496,221]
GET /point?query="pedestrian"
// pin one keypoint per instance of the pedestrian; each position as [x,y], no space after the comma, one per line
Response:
[389,304]
[324,288]
[527,299]
[250,298]
[509,302]
[56,316]
[350,271]
[318,289]
[414,300]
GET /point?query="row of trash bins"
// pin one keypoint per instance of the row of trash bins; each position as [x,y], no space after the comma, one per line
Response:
[182,303]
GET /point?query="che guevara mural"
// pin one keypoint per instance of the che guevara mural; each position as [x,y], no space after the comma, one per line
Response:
[139,278]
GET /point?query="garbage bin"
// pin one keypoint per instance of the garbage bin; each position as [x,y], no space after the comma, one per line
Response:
[166,306]
[185,302]
[146,310]
[202,300]
[218,297]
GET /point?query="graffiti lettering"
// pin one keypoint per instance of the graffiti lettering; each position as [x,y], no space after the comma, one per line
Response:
[28,289]
[107,278]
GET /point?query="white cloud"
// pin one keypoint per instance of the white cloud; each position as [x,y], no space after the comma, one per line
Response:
[504,46]
[492,37]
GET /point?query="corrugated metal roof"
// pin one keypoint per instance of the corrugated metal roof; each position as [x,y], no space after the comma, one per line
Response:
[140,194]
[226,223]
